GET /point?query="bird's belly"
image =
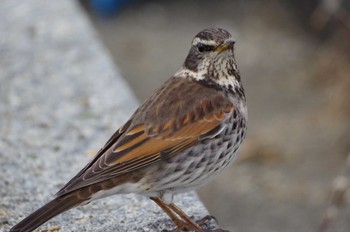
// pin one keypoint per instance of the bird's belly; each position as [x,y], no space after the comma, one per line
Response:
[196,166]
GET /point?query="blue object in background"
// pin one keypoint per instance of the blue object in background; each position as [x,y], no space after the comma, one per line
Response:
[108,8]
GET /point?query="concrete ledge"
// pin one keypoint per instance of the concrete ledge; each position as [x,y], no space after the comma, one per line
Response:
[61,97]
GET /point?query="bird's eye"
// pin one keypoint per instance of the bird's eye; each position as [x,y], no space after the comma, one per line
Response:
[205,48]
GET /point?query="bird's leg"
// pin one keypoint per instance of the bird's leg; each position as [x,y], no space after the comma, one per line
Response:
[197,225]
[171,209]
[166,209]
[185,217]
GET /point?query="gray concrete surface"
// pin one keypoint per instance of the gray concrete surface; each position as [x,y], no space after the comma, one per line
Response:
[60,99]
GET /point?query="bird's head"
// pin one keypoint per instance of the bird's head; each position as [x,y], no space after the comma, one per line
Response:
[211,59]
[208,46]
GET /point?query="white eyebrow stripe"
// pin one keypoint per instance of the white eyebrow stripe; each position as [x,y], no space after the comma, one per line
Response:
[206,42]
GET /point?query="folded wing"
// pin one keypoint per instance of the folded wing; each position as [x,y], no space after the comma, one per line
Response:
[157,130]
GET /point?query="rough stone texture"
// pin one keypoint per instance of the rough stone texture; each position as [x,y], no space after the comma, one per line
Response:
[61,99]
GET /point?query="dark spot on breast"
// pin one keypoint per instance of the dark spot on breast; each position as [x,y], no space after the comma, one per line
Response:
[186,179]
[238,139]
[242,133]
[235,114]
[211,161]
[199,164]
[239,91]
[231,72]
[204,159]
[190,168]
[241,123]
[191,153]
[234,150]
[234,126]
[238,77]
[178,168]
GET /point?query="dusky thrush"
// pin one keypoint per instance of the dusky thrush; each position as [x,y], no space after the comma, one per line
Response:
[184,134]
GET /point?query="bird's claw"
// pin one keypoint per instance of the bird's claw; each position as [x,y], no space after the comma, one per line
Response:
[203,223]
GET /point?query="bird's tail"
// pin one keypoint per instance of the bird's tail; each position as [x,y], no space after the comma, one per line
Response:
[48,211]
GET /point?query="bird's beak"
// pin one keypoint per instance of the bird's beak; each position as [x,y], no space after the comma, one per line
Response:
[228,44]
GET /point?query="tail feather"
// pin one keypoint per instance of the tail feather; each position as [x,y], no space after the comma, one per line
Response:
[48,211]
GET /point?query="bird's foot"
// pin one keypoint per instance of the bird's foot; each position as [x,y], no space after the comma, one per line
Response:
[207,225]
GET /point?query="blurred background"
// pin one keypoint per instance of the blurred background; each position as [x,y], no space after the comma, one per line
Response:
[294,61]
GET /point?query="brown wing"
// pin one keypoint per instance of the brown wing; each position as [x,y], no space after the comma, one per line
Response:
[177,116]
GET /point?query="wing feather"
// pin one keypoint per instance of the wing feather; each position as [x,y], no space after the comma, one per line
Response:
[146,140]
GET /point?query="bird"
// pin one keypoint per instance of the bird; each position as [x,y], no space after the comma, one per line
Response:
[178,139]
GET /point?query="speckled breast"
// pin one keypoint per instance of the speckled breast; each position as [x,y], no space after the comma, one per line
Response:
[195,166]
